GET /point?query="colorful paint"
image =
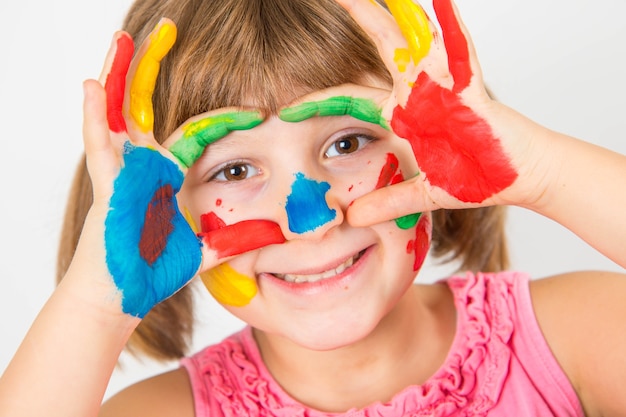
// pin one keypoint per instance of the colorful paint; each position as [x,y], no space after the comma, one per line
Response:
[225,284]
[359,108]
[239,237]
[151,251]
[306,205]
[415,26]
[201,133]
[142,86]
[390,173]
[115,85]
[454,146]
[456,45]
[228,286]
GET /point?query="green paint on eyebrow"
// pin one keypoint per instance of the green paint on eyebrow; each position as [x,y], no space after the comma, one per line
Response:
[197,135]
[359,108]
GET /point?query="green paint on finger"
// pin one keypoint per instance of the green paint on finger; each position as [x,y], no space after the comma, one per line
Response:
[408,221]
[201,133]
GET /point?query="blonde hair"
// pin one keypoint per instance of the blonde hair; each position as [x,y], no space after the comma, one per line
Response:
[229,51]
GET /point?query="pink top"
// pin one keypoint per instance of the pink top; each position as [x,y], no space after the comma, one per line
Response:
[499,365]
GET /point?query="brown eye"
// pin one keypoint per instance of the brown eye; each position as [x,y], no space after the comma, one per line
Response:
[235,172]
[347,145]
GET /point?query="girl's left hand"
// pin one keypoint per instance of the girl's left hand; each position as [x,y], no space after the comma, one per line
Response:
[469,148]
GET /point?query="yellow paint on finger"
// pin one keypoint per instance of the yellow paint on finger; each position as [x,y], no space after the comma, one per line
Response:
[228,286]
[142,86]
[402,58]
[415,26]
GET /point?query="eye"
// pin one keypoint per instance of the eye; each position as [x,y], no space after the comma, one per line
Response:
[347,145]
[235,171]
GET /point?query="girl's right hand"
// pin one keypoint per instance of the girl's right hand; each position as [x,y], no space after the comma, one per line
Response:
[471,150]
[135,234]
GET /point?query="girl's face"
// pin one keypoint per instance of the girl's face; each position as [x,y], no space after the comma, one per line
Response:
[330,283]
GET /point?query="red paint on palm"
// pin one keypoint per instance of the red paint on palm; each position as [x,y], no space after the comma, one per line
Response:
[157,225]
[455,148]
[234,239]
[115,85]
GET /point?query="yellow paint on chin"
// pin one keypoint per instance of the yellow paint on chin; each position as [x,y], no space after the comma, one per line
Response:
[415,26]
[142,86]
[228,286]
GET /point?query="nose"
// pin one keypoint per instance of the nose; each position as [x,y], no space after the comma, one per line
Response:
[312,208]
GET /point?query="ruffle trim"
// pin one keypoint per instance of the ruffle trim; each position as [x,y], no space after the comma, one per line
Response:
[468,383]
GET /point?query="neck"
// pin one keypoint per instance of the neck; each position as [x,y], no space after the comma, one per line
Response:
[408,345]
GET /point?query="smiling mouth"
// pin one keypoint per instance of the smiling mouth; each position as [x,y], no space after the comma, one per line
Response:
[298,278]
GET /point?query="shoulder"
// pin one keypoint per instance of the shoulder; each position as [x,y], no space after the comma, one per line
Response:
[165,395]
[583,318]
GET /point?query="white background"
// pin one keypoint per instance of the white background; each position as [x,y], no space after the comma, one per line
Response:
[561,63]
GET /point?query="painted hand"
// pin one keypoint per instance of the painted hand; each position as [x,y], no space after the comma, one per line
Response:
[438,104]
[151,251]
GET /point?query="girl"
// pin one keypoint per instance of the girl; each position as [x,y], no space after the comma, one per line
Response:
[283,117]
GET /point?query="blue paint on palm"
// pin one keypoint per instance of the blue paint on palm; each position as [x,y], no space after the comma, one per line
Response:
[306,205]
[145,283]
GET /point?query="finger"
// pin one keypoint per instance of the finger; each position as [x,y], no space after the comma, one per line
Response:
[458,45]
[381,27]
[101,157]
[188,142]
[242,237]
[144,72]
[414,25]
[115,84]
[390,203]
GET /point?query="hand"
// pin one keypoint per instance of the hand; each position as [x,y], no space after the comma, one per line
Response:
[440,105]
[150,250]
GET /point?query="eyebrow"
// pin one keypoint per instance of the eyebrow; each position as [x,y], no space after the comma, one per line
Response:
[360,108]
[199,134]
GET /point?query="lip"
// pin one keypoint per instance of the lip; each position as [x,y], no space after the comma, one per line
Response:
[337,281]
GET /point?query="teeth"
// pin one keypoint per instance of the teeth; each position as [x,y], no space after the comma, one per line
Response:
[324,275]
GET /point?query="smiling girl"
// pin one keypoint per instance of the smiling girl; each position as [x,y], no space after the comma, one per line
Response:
[302,158]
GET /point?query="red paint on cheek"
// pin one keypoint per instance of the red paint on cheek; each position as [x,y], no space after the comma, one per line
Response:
[234,239]
[115,85]
[218,202]
[421,244]
[157,225]
[389,171]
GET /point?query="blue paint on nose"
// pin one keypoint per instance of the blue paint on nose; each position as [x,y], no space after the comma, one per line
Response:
[306,205]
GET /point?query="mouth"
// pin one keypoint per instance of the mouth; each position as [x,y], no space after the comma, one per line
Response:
[305,278]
